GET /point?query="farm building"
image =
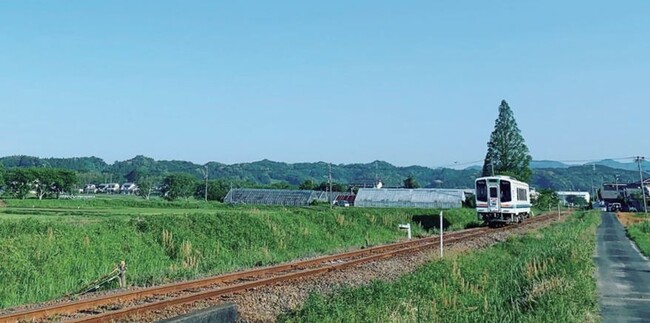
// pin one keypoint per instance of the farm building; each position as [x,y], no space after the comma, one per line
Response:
[276,197]
[404,197]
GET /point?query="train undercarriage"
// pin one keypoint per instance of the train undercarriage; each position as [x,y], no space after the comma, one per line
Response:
[499,219]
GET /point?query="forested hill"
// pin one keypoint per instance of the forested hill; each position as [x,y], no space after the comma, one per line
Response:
[266,172]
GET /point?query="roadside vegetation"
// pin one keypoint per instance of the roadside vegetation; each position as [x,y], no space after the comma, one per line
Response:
[638,229]
[545,276]
[51,248]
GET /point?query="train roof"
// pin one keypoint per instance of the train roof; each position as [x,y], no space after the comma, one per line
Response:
[502,177]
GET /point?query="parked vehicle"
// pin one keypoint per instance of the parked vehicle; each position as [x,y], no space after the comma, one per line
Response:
[613,207]
[342,203]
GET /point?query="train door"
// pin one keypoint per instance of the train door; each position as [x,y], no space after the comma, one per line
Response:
[493,194]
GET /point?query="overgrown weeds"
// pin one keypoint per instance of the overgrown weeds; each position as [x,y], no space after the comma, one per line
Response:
[547,276]
[46,252]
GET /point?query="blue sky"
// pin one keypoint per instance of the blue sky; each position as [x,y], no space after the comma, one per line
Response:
[408,82]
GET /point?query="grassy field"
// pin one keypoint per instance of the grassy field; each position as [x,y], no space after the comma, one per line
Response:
[51,248]
[546,276]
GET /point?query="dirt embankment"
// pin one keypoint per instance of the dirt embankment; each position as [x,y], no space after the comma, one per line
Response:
[628,218]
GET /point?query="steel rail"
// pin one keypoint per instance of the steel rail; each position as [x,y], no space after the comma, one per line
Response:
[365,254]
[109,316]
[70,307]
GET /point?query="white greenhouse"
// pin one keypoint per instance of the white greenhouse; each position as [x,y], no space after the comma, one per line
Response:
[411,198]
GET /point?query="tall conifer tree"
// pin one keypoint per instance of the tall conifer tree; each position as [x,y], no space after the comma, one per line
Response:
[507,153]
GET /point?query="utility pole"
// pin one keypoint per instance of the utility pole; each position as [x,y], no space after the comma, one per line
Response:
[638,160]
[329,182]
[376,174]
[593,192]
[205,176]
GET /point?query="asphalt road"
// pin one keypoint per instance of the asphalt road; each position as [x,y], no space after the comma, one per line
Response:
[623,275]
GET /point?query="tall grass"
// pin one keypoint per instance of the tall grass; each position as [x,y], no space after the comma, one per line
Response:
[543,277]
[47,253]
[640,233]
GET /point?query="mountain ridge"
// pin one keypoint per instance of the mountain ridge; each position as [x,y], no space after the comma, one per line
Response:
[546,173]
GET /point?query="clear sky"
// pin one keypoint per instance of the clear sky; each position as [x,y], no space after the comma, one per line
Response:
[408,82]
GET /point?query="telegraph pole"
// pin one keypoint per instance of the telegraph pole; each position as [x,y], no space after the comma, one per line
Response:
[593,192]
[329,182]
[638,160]
[205,176]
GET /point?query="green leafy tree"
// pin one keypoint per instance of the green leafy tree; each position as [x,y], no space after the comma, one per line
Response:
[145,183]
[145,186]
[63,181]
[308,184]
[507,153]
[336,187]
[217,190]
[180,185]
[2,179]
[19,182]
[52,182]
[411,182]
[546,199]
[43,179]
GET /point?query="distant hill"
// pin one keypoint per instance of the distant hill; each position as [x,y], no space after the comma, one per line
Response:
[547,164]
[627,166]
[546,174]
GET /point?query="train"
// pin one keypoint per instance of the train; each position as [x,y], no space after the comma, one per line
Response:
[502,200]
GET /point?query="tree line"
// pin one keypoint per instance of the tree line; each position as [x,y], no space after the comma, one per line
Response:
[43,182]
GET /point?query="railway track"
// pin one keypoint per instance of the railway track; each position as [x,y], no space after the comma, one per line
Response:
[131,303]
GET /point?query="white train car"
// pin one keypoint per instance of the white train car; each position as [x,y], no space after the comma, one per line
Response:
[502,200]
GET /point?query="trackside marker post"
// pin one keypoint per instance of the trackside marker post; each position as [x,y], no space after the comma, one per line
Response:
[440,234]
[407,227]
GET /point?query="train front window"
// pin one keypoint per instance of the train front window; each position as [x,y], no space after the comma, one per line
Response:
[506,195]
[481,191]
[493,192]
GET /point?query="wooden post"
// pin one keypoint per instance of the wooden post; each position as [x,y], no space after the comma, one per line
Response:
[122,278]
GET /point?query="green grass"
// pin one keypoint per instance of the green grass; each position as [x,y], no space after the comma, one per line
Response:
[547,276]
[112,201]
[51,248]
[640,234]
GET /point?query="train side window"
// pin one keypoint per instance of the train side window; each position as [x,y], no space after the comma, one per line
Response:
[522,194]
[481,191]
[506,195]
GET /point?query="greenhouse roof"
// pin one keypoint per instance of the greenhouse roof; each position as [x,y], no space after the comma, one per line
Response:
[271,196]
[404,197]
